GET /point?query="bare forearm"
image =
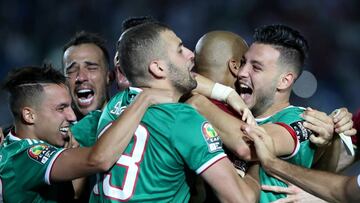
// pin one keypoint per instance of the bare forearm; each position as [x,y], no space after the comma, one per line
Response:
[226,125]
[330,187]
[204,85]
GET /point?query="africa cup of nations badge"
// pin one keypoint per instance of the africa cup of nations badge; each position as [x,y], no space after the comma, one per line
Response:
[211,137]
[41,153]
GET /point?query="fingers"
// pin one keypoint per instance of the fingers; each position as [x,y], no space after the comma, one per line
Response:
[319,141]
[350,132]
[277,189]
[344,127]
[317,115]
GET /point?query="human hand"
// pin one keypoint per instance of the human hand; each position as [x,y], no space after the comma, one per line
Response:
[320,124]
[71,142]
[263,143]
[292,192]
[238,104]
[343,122]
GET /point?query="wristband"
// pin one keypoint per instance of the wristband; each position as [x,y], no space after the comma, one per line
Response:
[220,92]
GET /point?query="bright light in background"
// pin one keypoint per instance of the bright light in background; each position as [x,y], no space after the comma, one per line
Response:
[306,85]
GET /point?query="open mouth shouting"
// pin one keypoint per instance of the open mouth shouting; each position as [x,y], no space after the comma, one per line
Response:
[245,90]
[85,96]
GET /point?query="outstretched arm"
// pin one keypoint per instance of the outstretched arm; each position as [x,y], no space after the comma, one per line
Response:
[78,162]
[331,187]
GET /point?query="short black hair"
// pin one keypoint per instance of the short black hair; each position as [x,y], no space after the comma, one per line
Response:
[136,20]
[84,37]
[292,46]
[25,85]
[137,47]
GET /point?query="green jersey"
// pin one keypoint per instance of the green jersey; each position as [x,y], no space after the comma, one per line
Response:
[84,130]
[25,166]
[302,154]
[170,139]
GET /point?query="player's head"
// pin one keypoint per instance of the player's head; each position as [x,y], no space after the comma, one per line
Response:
[86,65]
[270,66]
[40,103]
[152,54]
[122,81]
[218,55]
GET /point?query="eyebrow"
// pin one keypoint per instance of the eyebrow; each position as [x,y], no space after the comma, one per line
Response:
[180,44]
[86,62]
[257,62]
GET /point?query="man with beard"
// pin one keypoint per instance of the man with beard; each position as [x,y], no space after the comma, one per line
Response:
[170,137]
[267,73]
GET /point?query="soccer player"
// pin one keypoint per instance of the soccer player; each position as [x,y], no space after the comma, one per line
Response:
[171,137]
[32,158]
[267,73]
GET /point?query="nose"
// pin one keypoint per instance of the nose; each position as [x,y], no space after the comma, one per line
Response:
[189,54]
[82,75]
[70,115]
[243,71]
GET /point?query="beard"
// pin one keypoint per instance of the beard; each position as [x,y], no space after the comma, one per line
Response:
[264,99]
[181,79]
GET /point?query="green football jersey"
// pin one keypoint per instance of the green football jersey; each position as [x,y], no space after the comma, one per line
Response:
[169,139]
[25,166]
[302,155]
[84,130]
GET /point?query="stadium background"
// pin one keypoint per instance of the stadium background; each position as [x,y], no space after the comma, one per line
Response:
[34,31]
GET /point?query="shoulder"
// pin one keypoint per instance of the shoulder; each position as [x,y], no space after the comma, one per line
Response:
[175,110]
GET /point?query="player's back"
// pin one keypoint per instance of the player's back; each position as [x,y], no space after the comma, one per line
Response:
[170,138]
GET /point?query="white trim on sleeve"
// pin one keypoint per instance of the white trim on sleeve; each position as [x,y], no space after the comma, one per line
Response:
[49,167]
[207,164]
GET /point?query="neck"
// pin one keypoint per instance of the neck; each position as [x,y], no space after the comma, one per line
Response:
[24,131]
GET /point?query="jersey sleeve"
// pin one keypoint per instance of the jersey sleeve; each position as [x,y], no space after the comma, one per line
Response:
[197,141]
[111,111]
[33,165]
[84,131]
[292,121]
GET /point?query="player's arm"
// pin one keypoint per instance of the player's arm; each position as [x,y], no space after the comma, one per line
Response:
[331,187]
[225,94]
[226,125]
[229,129]
[73,163]
[228,186]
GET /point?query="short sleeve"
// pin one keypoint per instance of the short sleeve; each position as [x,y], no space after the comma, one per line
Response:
[33,165]
[196,140]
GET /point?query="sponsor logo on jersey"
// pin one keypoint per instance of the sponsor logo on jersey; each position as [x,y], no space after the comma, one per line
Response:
[41,152]
[302,133]
[211,137]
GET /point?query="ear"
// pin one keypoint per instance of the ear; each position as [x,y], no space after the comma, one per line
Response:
[286,80]
[234,66]
[28,115]
[110,76]
[157,69]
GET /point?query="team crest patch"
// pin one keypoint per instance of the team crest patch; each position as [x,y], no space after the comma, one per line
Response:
[302,133]
[211,137]
[41,152]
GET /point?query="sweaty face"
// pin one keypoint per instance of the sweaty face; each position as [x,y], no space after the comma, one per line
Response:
[85,67]
[54,115]
[258,77]
[180,63]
